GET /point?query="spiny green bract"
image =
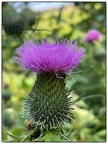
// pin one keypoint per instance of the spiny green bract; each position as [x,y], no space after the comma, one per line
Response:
[48,104]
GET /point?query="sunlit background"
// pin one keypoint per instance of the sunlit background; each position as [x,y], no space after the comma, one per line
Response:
[39,6]
[24,21]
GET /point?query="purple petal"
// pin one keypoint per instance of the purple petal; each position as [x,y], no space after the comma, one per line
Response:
[58,57]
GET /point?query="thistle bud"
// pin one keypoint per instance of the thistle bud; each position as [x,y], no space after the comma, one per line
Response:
[13,22]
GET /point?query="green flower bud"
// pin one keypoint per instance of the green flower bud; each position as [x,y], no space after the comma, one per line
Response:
[13,22]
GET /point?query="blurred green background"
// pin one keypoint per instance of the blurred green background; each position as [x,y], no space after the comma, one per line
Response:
[71,21]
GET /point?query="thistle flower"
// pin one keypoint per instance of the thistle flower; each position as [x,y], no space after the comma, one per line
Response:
[48,104]
[93,35]
[55,58]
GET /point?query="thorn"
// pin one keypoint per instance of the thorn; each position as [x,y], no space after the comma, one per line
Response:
[57,121]
[50,124]
[53,122]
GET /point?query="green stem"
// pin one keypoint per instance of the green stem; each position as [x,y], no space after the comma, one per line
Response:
[43,30]
[25,138]
[11,135]
[92,96]
[87,97]
[65,137]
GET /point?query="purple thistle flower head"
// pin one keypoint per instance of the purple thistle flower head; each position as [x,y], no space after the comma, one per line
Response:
[53,57]
[93,35]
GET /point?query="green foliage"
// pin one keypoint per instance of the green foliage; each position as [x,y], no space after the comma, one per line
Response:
[88,92]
